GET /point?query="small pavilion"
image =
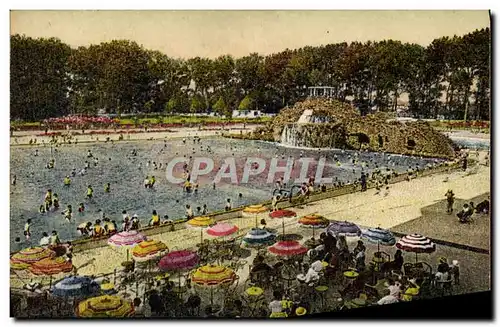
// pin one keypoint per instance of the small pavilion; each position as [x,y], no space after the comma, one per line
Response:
[321,91]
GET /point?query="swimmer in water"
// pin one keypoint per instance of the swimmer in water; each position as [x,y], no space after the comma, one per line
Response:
[90,192]
[68,213]
[81,208]
[41,209]
[55,201]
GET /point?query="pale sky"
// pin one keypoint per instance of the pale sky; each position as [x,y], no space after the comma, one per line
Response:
[212,33]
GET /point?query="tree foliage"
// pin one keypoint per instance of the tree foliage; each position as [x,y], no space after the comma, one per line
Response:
[450,77]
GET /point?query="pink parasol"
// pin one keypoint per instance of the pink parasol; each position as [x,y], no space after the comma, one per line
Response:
[287,248]
[130,238]
[179,260]
[222,229]
[126,239]
[176,260]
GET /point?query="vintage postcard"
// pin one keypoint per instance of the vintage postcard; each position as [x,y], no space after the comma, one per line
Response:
[249,164]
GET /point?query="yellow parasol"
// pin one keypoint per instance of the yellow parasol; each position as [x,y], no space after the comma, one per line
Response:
[105,306]
[254,211]
[147,250]
[24,258]
[212,275]
[202,223]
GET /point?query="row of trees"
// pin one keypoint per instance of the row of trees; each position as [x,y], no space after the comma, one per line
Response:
[449,77]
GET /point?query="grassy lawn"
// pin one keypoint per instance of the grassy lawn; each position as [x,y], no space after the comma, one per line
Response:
[189,120]
[167,120]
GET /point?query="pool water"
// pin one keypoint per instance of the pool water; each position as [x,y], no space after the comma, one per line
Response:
[118,167]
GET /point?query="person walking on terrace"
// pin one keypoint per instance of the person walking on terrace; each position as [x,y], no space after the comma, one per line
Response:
[450,199]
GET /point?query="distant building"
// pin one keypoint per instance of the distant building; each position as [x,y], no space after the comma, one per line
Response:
[247,114]
[320,92]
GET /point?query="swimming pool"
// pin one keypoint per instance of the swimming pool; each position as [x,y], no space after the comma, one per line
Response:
[118,167]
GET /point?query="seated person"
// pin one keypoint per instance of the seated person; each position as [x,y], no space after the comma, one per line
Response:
[358,285]
[259,266]
[275,306]
[465,213]
[394,293]
[483,207]
[312,275]
[411,290]
[396,264]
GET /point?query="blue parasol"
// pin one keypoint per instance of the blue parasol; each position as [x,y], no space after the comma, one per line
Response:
[343,228]
[379,236]
[76,287]
[259,237]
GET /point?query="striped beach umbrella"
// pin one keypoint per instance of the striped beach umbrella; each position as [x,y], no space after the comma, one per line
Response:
[313,221]
[254,211]
[179,261]
[281,214]
[51,266]
[343,228]
[379,236]
[200,223]
[147,250]
[105,306]
[182,259]
[222,229]
[213,276]
[416,243]
[126,239]
[76,287]
[287,248]
[259,237]
[24,258]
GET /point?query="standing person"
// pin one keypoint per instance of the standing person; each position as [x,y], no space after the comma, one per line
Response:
[90,192]
[228,205]
[27,227]
[68,213]
[189,212]
[14,180]
[274,202]
[450,199]
[126,225]
[81,208]
[464,162]
[48,199]
[363,182]
[410,173]
[204,210]
[67,181]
